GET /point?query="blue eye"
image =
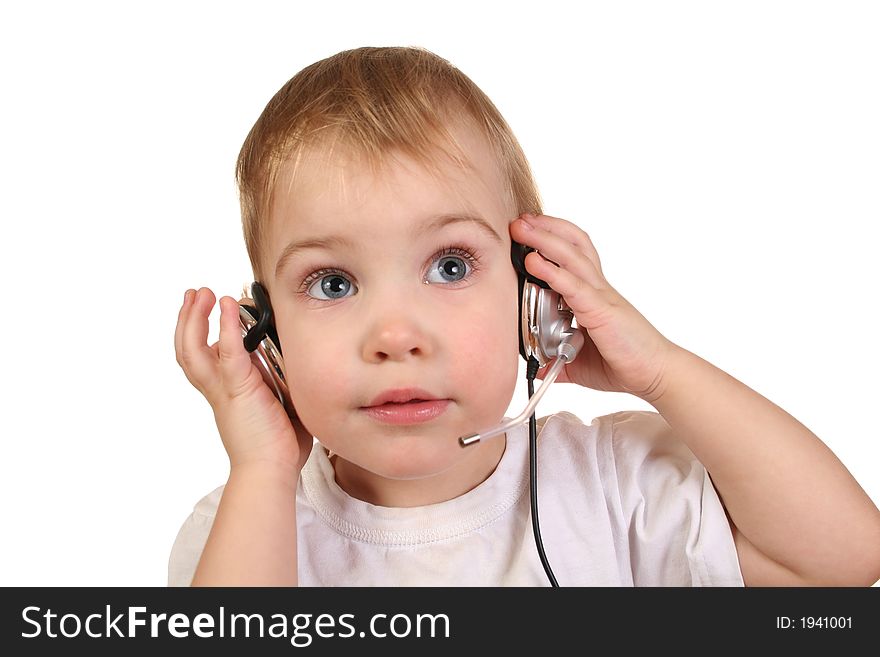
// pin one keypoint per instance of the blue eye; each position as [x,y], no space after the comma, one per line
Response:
[334,285]
[453,266]
[452,269]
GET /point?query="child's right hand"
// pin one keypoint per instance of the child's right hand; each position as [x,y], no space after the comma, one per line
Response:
[253,424]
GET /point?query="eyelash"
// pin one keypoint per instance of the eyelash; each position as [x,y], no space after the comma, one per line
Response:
[471,256]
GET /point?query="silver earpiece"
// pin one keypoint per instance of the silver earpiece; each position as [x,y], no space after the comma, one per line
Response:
[546,321]
[267,358]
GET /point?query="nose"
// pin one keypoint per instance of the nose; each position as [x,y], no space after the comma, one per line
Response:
[396,338]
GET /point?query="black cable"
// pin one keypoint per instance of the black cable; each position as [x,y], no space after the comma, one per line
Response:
[531,372]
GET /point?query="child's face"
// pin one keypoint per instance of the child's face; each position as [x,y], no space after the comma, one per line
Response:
[373,325]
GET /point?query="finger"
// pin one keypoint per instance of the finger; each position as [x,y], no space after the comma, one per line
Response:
[181,318]
[561,251]
[583,298]
[569,232]
[180,332]
[235,362]
[562,377]
[197,357]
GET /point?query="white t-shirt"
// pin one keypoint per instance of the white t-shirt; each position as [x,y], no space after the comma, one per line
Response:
[621,502]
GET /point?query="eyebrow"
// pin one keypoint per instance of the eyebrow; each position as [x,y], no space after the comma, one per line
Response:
[432,224]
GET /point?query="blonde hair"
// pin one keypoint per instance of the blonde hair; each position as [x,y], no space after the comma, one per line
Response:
[373,101]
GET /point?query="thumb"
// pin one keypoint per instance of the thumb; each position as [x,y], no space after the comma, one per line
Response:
[562,377]
[542,371]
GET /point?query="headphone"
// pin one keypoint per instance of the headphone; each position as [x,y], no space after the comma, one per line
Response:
[546,333]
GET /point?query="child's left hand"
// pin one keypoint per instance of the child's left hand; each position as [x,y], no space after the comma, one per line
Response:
[622,351]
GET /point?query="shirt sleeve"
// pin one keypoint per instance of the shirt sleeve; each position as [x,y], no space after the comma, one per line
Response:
[187,548]
[677,527]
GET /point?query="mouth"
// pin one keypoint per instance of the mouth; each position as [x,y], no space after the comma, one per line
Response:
[414,411]
[402,396]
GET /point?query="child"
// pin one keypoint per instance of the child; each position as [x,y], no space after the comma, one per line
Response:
[380,191]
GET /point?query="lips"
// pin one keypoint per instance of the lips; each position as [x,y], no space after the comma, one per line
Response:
[402,396]
[407,413]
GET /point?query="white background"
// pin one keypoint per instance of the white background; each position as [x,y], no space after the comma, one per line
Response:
[722,156]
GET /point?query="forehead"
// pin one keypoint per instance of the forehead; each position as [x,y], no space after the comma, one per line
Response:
[332,187]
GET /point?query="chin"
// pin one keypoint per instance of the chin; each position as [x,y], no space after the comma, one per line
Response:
[413,458]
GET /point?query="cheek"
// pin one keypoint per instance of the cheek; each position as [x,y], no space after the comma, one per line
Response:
[486,347]
[318,382]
